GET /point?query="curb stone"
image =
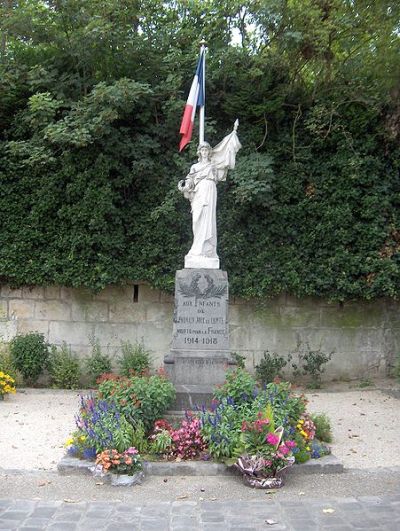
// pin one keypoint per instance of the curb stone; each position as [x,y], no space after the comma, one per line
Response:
[325,465]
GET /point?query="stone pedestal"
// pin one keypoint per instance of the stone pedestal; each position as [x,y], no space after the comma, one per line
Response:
[200,351]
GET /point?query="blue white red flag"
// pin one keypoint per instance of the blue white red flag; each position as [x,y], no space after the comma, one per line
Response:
[195,99]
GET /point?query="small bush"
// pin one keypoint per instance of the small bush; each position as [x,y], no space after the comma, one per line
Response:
[64,368]
[134,359]
[311,363]
[97,363]
[239,386]
[270,367]
[29,355]
[323,430]
[139,398]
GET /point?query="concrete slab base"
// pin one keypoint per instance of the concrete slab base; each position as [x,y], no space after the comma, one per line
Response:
[325,465]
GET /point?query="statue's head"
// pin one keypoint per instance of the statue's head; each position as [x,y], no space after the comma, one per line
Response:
[204,150]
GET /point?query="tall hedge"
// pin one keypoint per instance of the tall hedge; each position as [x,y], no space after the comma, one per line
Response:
[91,96]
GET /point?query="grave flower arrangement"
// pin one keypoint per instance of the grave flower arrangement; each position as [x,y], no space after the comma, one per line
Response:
[7,385]
[264,452]
[127,462]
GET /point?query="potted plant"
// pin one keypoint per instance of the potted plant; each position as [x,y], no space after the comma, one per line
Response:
[126,467]
[264,455]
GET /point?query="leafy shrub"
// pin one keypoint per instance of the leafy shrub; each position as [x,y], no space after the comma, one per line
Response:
[64,367]
[29,355]
[140,398]
[270,367]
[311,363]
[134,359]
[323,429]
[7,365]
[239,386]
[97,363]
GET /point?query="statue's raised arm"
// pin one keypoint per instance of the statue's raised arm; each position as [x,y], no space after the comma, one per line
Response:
[200,188]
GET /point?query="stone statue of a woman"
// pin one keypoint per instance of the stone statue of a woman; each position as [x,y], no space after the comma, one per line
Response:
[200,187]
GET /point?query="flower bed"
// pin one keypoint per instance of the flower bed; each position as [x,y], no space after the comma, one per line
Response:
[260,431]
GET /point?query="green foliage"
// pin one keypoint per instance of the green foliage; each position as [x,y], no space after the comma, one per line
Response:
[222,428]
[91,95]
[139,439]
[270,367]
[134,359]
[6,363]
[311,363]
[239,386]
[161,443]
[101,426]
[64,367]
[29,355]
[98,362]
[323,429]
[140,398]
[239,360]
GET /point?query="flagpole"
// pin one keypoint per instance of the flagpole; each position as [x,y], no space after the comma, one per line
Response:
[202,108]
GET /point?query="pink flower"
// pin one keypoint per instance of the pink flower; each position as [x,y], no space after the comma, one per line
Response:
[290,444]
[131,451]
[284,449]
[272,439]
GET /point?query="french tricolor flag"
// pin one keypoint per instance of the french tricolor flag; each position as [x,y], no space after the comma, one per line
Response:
[195,99]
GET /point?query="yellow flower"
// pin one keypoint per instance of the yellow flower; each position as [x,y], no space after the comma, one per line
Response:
[303,433]
[82,438]
[69,441]
[301,421]
[308,448]
[298,426]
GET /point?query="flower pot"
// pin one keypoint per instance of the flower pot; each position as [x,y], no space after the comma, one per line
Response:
[256,478]
[123,480]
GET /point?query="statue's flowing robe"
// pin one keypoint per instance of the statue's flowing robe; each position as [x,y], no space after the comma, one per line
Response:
[204,199]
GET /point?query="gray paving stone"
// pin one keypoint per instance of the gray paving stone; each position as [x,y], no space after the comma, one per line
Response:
[144,526]
[43,512]
[8,524]
[10,514]
[212,517]
[93,523]
[63,526]
[120,527]
[364,524]
[70,516]
[36,522]
[182,519]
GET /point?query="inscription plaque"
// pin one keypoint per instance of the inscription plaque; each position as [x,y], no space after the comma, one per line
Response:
[201,311]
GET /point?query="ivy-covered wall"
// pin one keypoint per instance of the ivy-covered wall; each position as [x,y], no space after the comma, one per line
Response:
[364,336]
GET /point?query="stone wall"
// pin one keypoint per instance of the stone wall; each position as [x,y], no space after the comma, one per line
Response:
[365,337]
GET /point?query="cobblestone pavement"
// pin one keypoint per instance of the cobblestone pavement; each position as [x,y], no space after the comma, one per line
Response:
[366,512]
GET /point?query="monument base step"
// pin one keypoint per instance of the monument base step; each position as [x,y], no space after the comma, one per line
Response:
[190,397]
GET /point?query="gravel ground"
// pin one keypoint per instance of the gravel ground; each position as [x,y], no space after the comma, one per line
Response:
[366,429]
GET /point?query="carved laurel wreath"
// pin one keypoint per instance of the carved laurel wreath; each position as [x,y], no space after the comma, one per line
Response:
[193,289]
